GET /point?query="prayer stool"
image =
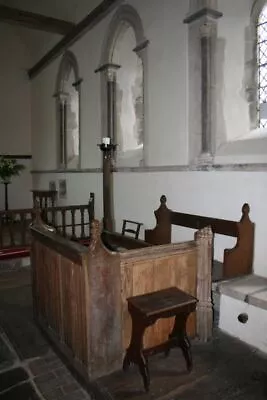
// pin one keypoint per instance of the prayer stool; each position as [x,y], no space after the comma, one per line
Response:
[132,231]
[145,310]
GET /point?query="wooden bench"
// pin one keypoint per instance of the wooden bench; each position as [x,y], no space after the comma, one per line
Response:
[145,310]
[237,261]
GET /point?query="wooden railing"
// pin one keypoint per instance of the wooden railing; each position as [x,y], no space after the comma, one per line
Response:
[71,221]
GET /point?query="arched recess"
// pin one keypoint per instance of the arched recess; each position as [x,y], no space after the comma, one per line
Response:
[68,92]
[123,84]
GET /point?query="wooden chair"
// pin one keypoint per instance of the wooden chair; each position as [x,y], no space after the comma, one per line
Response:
[132,231]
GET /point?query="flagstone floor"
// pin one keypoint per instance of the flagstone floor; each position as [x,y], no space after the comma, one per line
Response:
[224,369]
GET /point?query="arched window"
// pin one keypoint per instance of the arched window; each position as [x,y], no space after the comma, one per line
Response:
[129,93]
[68,112]
[124,66]
[262,67]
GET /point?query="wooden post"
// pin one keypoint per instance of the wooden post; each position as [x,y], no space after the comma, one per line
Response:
[108,220]
[108,148]
[204,239]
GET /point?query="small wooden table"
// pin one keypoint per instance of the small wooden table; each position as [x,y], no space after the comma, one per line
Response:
[145,310]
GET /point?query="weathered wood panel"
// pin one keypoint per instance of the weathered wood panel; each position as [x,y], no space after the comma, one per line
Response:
[147,275]
[60,295]
[80,294]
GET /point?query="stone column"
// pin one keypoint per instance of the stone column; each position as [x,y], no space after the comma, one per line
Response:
[109,71]
[62,99]
[206,89]
[141,51]
[202,37]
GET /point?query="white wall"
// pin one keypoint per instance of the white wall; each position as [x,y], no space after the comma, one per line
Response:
[218,194]
[167,82]
[15,111]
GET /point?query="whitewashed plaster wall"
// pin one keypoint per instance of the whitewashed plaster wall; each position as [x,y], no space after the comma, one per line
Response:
[231,48]
[15,111]
[214,193]
[220,194]
[166,79]
[237,141]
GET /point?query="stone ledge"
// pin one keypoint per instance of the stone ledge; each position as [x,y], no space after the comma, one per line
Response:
[251,289]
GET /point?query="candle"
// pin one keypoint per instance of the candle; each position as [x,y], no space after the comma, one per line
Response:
[106,140]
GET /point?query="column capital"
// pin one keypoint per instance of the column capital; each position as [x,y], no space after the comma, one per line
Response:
[204,12]
[109,70]
[61,96]
[140,47]
[206,29]
[77,84]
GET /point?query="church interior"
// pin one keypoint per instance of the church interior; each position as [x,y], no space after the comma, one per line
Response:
[123,125]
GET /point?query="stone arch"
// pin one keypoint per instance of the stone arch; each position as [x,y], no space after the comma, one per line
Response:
[126,14]
[68,112]
[124,18]
[256,9]
[68,63]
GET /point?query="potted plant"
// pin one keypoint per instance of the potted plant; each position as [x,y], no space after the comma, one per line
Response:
[8,168]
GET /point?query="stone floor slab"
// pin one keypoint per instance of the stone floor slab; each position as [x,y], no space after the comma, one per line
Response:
[12,377]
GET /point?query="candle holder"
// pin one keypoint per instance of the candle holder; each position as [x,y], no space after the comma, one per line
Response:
[107,149]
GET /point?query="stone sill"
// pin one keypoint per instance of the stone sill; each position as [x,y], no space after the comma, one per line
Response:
[252,289]
[251,149]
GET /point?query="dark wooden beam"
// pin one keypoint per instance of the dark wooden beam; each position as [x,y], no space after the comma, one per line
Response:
[18,156]
[79,30]
[34,21]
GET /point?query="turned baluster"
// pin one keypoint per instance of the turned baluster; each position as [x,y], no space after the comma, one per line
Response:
[23,227]
[11,228]
[63,221]
[82,223]
[73,235]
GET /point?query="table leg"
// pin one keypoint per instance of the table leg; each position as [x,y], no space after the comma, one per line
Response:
[179,337]
[134,353]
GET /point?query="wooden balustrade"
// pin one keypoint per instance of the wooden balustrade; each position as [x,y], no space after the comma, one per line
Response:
[71,221]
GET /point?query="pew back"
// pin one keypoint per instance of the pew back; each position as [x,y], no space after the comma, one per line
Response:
[237,261]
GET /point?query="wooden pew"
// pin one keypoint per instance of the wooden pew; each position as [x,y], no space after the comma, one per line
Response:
[237,261]
[79,293]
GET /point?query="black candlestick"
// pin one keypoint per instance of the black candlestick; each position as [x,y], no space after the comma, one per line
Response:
[108,220]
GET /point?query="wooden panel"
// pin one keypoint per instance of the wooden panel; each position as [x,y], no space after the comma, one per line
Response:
[73,308]
[144,276]
[104,308]
[60,299]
